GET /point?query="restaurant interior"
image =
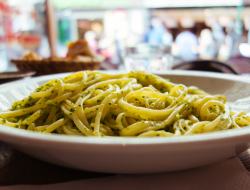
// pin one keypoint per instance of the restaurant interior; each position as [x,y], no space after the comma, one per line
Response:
[205,42]
[191,33]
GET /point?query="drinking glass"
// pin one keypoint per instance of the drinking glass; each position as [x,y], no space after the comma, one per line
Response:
[149,58]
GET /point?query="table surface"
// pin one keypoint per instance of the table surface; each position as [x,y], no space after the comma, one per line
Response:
[19,168]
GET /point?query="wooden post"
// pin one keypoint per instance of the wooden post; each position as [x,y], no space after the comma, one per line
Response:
[50,27]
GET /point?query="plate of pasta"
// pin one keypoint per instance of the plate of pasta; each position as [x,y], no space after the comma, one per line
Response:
[134,122]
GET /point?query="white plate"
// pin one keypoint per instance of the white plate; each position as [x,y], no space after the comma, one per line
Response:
[132,155]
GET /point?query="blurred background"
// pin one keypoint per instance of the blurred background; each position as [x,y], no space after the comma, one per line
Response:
[130,34]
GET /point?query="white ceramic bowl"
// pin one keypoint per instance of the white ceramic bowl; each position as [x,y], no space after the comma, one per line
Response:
[132,155]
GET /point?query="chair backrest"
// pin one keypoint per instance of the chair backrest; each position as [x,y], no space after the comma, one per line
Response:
[240,63]
[206,65]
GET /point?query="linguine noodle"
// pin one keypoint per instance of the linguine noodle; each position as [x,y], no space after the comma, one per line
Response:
[92,103]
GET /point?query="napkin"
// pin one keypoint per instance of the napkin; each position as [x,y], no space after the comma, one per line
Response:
[229,174]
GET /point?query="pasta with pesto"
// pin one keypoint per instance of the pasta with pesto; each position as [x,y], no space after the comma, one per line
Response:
[135,104]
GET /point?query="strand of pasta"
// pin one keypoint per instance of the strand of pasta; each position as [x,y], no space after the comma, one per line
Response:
[92,103]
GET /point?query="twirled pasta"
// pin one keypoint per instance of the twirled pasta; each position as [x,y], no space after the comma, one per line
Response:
[92,103]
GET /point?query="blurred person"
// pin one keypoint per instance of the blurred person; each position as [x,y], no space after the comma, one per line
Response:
[44,49]
[186,45]
[231,36]
[106,46]
[210,20]
[187,22]
[224,52]
[90,36]
[156,33]
[167,38]
[226,48]
[244,48]
[218,35]
[206,45]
